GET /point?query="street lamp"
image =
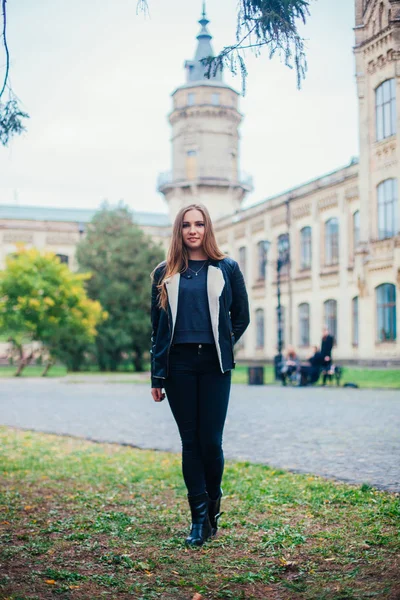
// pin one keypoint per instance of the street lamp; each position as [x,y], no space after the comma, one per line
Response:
[282,260]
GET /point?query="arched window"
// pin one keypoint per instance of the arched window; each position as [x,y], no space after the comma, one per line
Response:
[262,260]
[260,328]
[305,248]
[387,209]
[330,317]
[385,109]
[354,307]
[63,258]
[356,229]
[332,242]
[284,253]
[242,260]
[304,324]
[386,312]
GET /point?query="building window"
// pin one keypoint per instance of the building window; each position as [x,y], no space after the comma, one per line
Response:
[330,317]
[356,229]
[386,312]
[63,258]
[215,99]
[387,209]
[284,253]
[262,260]
[191,97]
[242,260]
[385,108]
[260,328]
[354,306]
[304,324]
[305,248]
[332,242]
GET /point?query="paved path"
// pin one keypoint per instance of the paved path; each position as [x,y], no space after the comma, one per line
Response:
[352,435]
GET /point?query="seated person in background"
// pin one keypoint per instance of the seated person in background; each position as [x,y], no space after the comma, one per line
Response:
[291,365]
[310,374]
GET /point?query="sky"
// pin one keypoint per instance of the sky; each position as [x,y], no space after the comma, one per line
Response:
[96,80]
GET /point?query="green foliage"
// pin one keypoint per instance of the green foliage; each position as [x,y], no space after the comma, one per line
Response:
[269,23]
[42,299]
[11,123]
[120,257]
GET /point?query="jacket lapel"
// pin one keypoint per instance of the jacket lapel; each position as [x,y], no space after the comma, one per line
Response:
[172,286]
[215,286]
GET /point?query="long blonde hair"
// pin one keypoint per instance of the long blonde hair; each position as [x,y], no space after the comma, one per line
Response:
[177,257]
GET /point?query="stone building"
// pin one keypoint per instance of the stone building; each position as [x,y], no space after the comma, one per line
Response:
[342,229]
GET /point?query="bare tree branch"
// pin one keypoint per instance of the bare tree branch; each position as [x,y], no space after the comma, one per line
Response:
[4,39]
[11,114]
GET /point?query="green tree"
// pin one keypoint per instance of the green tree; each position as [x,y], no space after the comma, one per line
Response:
[42,300]
[120,257]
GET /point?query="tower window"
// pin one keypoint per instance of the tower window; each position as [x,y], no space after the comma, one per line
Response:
[215,99]
[191,98]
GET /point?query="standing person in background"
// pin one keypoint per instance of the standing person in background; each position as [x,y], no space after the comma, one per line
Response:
[326,352]
[199,310]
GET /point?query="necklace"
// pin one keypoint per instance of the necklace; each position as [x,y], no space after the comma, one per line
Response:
[197,272]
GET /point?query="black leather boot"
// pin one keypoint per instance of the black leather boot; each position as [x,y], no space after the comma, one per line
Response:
[200,530]
[214,512]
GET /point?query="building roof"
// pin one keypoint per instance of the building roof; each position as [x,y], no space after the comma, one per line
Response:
[73,215]
[195,69]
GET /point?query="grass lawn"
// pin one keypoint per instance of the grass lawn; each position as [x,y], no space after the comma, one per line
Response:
[34,371]
[364,378]
[81,520]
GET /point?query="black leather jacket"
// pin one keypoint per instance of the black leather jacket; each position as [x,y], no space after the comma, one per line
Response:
[229,312]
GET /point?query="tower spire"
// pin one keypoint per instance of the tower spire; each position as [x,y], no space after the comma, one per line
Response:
[195,69]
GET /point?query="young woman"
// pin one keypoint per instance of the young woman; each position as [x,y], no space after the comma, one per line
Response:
[199,309]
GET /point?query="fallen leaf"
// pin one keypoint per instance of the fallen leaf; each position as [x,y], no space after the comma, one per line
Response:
[50,581]
[28,507]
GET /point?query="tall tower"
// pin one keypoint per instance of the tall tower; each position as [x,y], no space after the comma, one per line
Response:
[205,139]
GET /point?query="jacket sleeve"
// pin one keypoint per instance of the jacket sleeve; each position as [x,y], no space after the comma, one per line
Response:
[240,314]
[155,317]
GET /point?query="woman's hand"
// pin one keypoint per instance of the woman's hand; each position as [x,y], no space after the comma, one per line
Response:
[158,394]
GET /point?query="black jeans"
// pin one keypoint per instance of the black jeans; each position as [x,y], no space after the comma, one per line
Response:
[198,394]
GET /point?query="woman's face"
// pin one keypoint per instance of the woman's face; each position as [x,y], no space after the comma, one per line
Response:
[193,227]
